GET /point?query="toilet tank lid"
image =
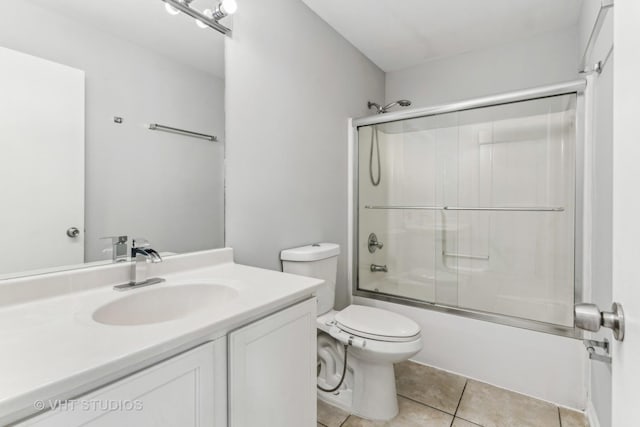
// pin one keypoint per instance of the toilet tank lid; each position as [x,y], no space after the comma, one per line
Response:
[314,252]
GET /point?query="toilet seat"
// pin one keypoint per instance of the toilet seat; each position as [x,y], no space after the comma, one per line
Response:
[377,324]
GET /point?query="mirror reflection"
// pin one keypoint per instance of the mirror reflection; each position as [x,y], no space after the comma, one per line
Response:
[83,172]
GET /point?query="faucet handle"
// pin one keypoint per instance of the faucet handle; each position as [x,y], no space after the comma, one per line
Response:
[118,249]
[116,239]
[139,242]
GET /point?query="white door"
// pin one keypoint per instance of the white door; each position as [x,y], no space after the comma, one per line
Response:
[626,211]
[41,163]
[272,370]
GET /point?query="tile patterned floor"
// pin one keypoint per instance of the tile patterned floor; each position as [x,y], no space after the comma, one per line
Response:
[429,397]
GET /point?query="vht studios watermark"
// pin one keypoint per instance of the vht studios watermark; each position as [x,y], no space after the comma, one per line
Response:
[90,405]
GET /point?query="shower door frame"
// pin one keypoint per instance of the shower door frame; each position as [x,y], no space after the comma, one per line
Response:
[577,87]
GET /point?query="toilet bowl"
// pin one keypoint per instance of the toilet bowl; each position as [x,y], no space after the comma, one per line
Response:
[373,339]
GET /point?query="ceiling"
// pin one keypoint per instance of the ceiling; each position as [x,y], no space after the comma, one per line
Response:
[146,23]
[397,34]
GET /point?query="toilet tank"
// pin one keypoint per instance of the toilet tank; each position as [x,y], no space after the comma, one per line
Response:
[320,261]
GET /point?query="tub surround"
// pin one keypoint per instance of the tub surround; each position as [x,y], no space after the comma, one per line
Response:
[52,349]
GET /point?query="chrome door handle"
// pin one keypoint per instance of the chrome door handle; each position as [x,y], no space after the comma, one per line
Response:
[590,318]
[73,232]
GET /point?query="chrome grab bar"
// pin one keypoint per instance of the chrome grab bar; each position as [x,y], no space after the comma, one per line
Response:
[163,128]
[464,208]
[423,208]
[515,209]
[457,255]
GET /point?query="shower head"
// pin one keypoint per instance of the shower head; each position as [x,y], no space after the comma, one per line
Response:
[381,110]
[374,105]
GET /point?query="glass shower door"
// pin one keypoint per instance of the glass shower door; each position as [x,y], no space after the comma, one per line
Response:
[474,209]
[398,172]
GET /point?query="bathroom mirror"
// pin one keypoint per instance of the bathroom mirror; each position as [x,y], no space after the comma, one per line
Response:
[83,84]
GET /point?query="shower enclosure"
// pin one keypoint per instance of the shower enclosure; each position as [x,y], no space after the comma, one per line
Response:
[474,208]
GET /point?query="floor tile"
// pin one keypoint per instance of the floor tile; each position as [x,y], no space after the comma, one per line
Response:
[569,418]
[411,414]
[330,416]
[459,422]
[433,387]
[491,406]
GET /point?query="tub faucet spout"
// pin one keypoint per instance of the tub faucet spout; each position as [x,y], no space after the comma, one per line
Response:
[375,268]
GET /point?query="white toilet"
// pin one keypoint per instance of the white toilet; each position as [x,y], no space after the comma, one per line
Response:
[375,340]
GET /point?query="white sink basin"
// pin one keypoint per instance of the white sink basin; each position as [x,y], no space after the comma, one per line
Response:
[144,306]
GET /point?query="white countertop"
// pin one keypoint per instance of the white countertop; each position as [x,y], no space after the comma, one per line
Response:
[52,349]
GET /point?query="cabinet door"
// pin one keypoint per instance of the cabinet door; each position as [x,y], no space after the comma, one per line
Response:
[181,391]
[272,363]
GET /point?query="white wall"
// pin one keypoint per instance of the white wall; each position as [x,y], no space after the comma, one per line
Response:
[164,187]
[292,83]
[537,61]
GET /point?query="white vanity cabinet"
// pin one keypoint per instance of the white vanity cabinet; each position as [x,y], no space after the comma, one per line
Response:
[265,370]
[186,390]
[272,370]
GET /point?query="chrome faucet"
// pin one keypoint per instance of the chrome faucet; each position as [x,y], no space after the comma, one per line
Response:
[141,256]
[375,268]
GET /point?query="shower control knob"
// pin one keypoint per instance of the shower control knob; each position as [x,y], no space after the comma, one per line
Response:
[373,243]
[589,318]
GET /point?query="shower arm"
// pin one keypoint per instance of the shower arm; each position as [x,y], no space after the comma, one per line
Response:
[382,110]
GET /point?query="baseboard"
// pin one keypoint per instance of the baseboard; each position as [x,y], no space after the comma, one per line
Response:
[592,415]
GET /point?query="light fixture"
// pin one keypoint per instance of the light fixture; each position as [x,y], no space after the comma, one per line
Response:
[225,8]
[170,9]
[209,14]
[208,18]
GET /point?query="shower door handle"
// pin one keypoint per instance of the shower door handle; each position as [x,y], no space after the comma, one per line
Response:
[589,318]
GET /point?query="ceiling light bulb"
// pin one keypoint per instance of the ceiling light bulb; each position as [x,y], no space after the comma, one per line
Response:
[209,14]
[170,9]
[230,6]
